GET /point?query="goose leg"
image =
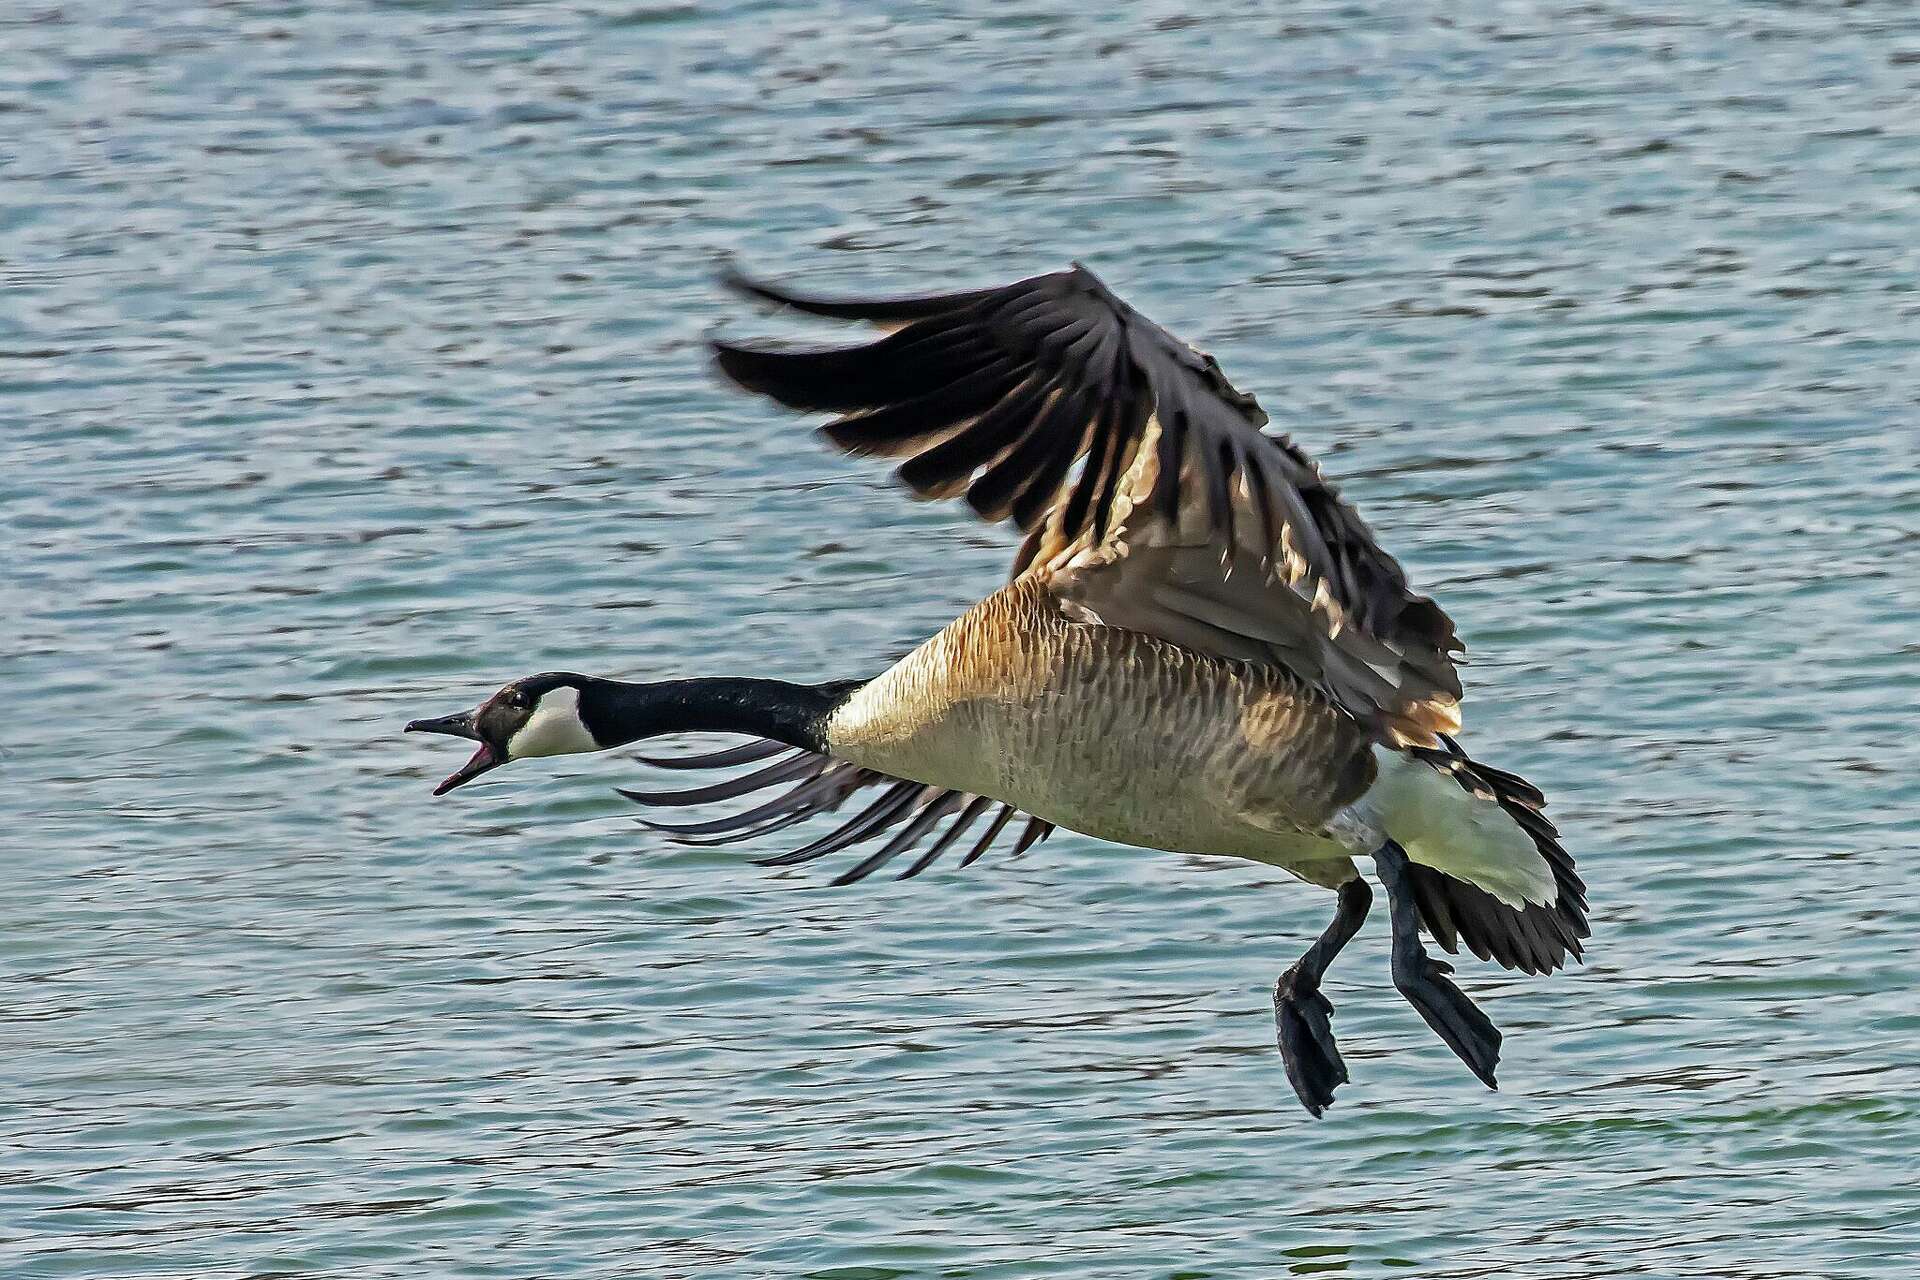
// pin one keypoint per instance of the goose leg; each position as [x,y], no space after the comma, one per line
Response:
[1423,980]
[1301,1013]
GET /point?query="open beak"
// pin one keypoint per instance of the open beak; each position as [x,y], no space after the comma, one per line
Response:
[460,726]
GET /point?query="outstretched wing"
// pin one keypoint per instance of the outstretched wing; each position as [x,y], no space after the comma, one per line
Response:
[1150,497]
[813,784]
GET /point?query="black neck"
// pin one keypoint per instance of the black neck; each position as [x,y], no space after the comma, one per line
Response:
[617,713]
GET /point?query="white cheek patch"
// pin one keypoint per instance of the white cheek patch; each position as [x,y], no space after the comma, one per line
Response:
[554,728]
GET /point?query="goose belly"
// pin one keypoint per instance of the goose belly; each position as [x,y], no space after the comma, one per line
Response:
[1180,788]
[1122,738]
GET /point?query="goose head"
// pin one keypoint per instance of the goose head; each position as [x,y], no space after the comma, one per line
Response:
[533,716]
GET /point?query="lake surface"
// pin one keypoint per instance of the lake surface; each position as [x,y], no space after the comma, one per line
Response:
[350,364]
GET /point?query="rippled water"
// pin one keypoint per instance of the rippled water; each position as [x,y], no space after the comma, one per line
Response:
[349,364]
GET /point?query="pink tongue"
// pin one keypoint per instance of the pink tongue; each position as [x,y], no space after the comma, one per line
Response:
[482,756]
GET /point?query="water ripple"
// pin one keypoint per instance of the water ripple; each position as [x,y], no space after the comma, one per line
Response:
[350,364]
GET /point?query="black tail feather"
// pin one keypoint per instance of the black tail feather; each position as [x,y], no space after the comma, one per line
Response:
[1533,938]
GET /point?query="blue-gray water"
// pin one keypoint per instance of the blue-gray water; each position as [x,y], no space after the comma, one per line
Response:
[350,364]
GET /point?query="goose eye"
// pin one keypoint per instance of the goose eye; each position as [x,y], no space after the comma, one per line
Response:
[517,700]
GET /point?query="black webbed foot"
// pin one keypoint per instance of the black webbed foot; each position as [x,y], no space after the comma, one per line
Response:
[1424,982]
[1314,1066]
[1302,1014]
[1468,1032]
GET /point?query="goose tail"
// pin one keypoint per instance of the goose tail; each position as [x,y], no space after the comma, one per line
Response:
[1487,867]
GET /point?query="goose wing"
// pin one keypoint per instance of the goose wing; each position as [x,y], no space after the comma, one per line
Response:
[810,784]
[1150,496]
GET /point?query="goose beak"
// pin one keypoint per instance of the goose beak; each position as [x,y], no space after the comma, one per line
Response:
[460,726]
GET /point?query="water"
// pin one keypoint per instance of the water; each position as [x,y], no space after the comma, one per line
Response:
[350,365]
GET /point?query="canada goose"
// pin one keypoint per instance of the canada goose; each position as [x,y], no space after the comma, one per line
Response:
[1202,649]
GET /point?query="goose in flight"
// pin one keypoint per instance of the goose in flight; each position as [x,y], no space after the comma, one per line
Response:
[1202,649]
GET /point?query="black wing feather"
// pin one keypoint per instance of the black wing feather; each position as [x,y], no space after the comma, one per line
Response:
[820,784]
[876,310]
[999,393]
[1079,346]
[746,753]
[944,469]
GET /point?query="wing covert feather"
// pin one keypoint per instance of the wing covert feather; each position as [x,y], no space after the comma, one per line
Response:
[1150,496]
